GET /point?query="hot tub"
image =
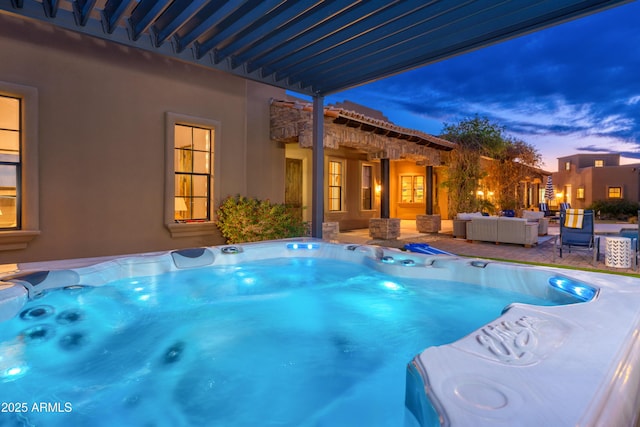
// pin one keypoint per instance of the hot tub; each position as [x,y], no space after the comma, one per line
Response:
[255,334]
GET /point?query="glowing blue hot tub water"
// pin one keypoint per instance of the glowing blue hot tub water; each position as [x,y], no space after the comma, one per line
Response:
[287,342]
[281,338]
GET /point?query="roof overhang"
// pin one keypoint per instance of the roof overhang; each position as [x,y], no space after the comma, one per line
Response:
[312,47]
[353,119]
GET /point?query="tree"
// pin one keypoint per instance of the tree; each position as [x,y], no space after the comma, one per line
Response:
[508,163]
[510,166]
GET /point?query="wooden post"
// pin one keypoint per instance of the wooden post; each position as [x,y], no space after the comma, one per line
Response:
[317,182]
[429,172]
[384,196]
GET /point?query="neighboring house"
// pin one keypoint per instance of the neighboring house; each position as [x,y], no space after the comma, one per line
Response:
[584,178]
[118,144]
[356,139]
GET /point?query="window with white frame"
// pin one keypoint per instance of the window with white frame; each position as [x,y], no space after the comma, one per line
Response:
[336,184]
[580,193]
[189,175]
[598,163]
[412,188]
[367,187]
[567,166]
[19,219]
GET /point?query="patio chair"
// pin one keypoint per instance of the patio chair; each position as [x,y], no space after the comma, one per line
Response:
[564,206]
[580,236]
[544,207]
[552,215]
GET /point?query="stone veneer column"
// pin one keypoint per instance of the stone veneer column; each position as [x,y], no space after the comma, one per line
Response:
[384,228]
[428,223]
[330,231]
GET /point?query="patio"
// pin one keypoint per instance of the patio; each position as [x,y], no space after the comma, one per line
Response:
[542,253]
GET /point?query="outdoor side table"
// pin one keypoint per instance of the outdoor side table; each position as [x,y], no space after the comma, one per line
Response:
[617,252]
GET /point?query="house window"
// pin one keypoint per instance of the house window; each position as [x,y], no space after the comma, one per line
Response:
[614,192]
[580,193]
[192,163]
[367,187]
[19,220]
[336,174]
[412,189]
[10,162]
[598,163]
[190,167]
[567,166]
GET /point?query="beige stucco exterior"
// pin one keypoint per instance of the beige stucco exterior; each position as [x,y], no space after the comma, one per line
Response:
[353,216]
[401,210]
[101,140]
[98,167]
[356,139]
[579,171]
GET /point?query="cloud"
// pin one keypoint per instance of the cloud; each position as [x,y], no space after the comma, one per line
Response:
[620,149]
[570,84]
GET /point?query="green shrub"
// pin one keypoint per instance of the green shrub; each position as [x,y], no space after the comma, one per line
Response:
[619,209]
[242,219]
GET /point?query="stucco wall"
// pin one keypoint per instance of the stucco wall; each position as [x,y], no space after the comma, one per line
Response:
[410,210]
[620,176]
[265,158]
[102,135]
[352,215]
[596,182]
[294,151]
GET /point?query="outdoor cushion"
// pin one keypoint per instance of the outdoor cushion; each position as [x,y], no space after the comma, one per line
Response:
[532,215]
[467,216]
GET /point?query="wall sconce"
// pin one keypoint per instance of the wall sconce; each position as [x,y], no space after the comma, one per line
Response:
[559,195]
[378,188]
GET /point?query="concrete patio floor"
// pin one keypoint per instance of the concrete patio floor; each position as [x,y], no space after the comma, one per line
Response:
[540,253]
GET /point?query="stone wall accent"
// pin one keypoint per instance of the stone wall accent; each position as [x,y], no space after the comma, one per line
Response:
[428,223]
[330,231]
[337,135]
[384,228]
[290,124]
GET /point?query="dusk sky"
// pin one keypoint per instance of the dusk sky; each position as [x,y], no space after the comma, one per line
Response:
[572,88]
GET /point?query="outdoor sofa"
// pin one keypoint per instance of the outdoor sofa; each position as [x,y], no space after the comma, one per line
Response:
[503,230]
[539,218]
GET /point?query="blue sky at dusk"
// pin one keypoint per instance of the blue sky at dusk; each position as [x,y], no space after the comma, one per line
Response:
[571,88]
